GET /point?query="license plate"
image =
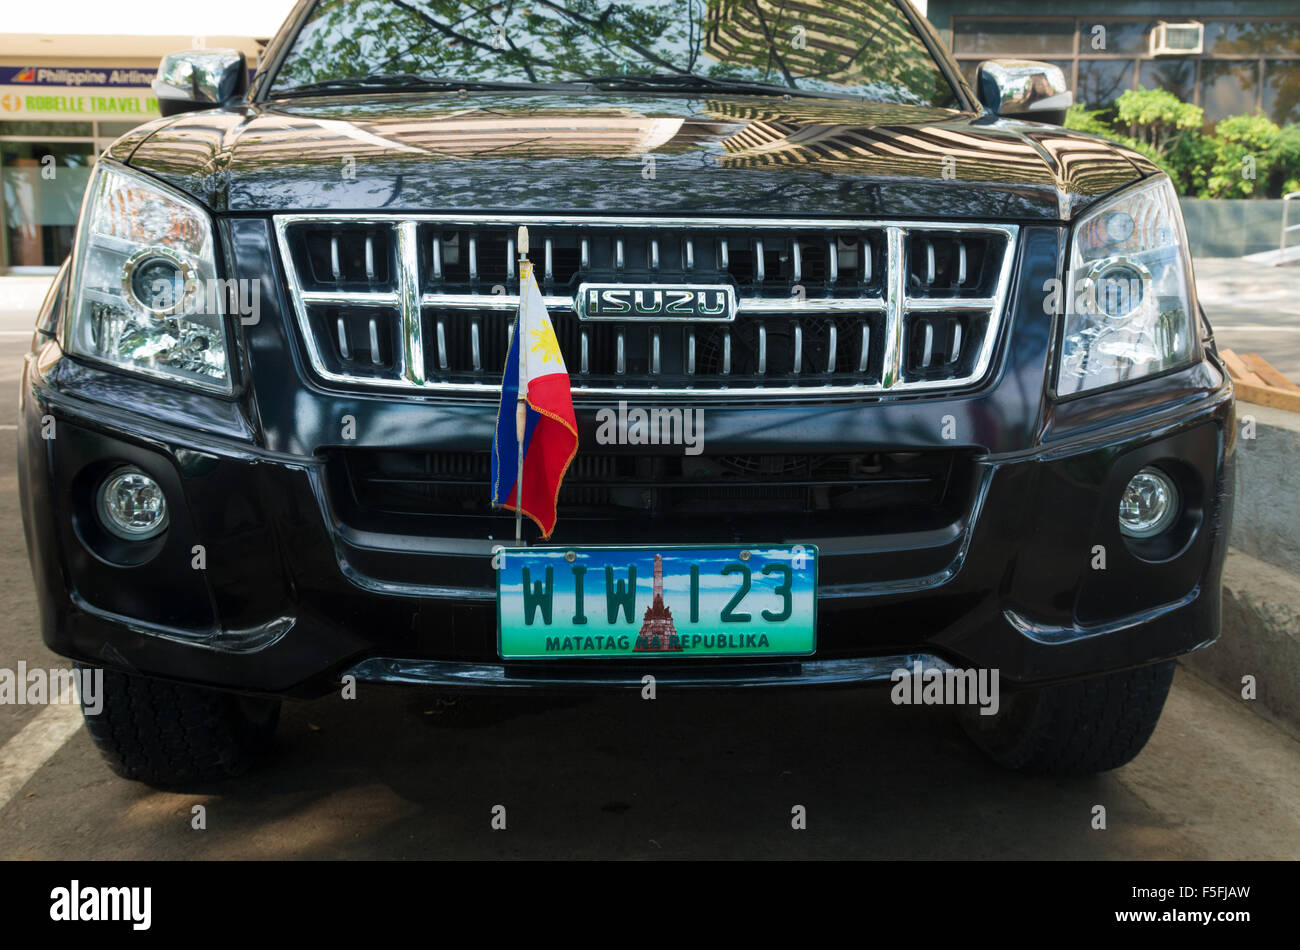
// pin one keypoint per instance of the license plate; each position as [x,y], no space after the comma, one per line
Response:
[554,603]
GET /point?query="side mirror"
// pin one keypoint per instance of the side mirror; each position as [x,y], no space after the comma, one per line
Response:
[1024,89]
[199,79]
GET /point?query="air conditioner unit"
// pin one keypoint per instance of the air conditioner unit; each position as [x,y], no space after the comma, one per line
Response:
[1177,39]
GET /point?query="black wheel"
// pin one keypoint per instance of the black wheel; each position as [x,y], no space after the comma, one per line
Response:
[166,734]
[1075,728]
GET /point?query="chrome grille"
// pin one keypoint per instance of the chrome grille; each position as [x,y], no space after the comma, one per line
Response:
[426,302]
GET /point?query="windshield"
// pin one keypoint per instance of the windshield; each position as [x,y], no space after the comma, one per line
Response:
[861,48]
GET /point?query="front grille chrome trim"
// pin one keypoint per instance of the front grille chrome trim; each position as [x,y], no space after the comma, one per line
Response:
[947,304]
[896,292]
[409,300]
[763,305]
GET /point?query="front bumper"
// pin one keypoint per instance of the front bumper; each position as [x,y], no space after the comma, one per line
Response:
[290,600]
[1028,575]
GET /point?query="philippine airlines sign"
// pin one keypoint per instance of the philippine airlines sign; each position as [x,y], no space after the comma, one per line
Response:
[81,92]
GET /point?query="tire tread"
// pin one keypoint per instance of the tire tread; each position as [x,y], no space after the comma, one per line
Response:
[1076,728]
[167,734]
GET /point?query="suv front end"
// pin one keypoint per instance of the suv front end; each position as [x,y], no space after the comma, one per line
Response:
[984,402]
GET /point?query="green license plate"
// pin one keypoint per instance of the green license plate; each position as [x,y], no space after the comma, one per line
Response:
[554,603]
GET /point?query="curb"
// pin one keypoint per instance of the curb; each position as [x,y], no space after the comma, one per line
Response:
[1260,630]
[1266,516]
[1260,637]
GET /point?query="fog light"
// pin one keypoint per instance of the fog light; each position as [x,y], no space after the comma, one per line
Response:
[1150,504]
[131,505]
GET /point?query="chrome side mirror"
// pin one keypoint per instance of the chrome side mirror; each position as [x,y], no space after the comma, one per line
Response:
[1023,88]
[199,79]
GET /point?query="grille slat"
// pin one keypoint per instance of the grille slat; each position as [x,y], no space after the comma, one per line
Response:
[405,483]
[822,307]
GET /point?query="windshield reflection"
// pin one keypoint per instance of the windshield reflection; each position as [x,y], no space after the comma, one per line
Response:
[866,48]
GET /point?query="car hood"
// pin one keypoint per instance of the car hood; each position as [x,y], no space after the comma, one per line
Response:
[628,154]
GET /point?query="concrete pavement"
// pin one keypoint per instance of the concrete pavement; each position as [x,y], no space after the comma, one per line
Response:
[397,773]
[1254,308]
[20,297]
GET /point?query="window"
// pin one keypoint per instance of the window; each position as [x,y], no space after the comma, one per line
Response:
[47,129]
[1013,37]
[1252,39]
[41,184]
[1102,81]
[1282,90]
[1112,36]
[1228,87]
[1178,75]
[44,169]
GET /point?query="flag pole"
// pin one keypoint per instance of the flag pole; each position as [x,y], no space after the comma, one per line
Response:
[521,406]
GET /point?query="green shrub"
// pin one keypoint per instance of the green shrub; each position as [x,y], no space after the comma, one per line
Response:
[1244,156]
[1284,161]
[1083,120]
[1242,144]
[1189,163]
[1157,118]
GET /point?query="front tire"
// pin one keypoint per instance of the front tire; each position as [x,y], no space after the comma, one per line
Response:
[168,734]
[1076,728]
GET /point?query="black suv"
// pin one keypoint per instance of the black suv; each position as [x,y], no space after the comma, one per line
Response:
[955,409]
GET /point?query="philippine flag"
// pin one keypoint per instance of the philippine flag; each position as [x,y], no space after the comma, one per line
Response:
[534,369]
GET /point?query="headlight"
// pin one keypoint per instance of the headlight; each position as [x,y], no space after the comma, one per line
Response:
[1129,301]
[147,298]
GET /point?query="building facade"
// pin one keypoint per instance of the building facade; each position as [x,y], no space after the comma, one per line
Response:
[63,99]
[1249,60]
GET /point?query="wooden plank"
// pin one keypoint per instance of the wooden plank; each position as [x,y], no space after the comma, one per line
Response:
[1239,371]
[1251,387]
[1267,396]
[1268,373]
